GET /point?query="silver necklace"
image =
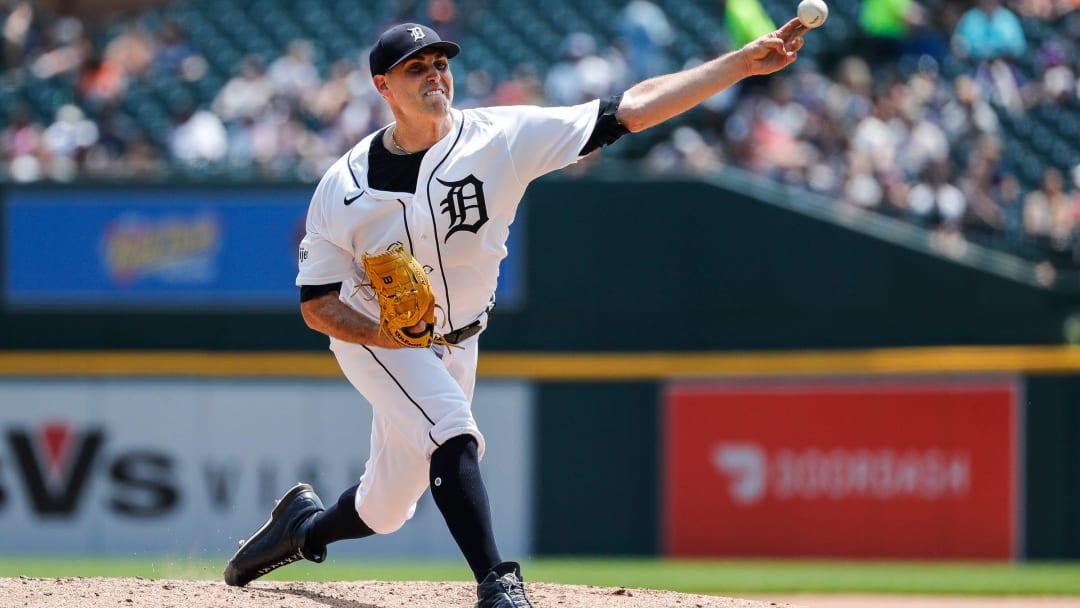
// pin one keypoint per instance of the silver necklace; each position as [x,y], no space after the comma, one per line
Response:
[393,140]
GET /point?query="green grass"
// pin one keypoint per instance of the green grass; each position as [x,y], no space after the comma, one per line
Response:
[703,576]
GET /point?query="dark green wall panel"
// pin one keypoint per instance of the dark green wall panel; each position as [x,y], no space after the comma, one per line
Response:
[1052,469]
[596,469]
[725,271]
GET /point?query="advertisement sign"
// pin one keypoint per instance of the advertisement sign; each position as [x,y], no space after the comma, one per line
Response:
[176,248]
[115,466]
[152,247]
[920,469]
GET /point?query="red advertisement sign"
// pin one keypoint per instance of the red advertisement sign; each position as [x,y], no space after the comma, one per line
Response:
[890,470]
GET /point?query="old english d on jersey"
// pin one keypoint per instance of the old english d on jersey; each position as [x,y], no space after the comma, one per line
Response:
[457,223]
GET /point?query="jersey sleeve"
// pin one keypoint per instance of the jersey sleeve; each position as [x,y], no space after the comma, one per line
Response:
[321,260]
[543,140]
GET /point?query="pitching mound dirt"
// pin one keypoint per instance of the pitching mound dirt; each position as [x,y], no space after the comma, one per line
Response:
[130,592]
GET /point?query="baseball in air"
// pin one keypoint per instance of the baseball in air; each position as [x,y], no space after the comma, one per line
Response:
[813,13]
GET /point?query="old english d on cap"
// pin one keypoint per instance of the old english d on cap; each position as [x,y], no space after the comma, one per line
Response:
[401,41]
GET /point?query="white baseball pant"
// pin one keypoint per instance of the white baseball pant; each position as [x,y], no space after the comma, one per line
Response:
[418,401]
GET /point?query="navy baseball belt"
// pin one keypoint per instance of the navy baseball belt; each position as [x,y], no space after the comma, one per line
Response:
[458,335]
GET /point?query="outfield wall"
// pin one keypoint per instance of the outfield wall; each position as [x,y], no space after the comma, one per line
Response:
[848,454]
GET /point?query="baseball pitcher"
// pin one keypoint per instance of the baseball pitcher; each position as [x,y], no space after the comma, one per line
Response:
[399,266]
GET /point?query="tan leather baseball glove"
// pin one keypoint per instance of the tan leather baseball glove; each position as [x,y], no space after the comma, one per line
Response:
[405,297]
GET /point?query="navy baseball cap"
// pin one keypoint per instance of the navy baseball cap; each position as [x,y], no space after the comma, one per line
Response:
[402,41]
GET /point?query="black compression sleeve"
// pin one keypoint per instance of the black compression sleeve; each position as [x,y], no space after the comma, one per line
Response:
[459,492]
[338,522]
[310,292]
[608,129]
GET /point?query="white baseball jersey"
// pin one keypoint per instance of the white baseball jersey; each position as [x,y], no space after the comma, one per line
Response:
[456,226]
[457,223]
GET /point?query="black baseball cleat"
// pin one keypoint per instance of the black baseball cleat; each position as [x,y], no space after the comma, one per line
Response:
[280,541]
[505,590]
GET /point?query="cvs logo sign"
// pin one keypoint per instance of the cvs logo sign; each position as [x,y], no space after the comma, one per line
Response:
[55,462]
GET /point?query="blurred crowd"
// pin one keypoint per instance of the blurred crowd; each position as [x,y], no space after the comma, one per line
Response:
[912,125]
[890,129]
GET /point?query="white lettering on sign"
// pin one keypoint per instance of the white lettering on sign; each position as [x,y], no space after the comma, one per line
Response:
[744,464]
[929,474]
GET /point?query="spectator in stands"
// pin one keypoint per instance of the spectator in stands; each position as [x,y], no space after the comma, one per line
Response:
[989,31]
[779,109]
[1058,80]
[22,151]
[101,82]
[1046,9]
[966,115]
[62,49]
[16,31]
[114,134]
[523,88]
[828,149]
[442,15]
[330,98]
[247,94]
[685,152]
[132,50]
[850,98]
[476,91]
[582,74]
[861,187]
[985,215]
[1049,215]
[1009,197]
[924,141]
[198,137]
[645,35]
[122,151]
[935,201]
[173,54]
[240,136]
[67,140]
[897,191]
[777,131]
[360,111]
[1005,84]
[142,160]
[878,136]
[294,75]
[280,139]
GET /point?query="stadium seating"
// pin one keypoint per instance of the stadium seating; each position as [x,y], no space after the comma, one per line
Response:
[499,36]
